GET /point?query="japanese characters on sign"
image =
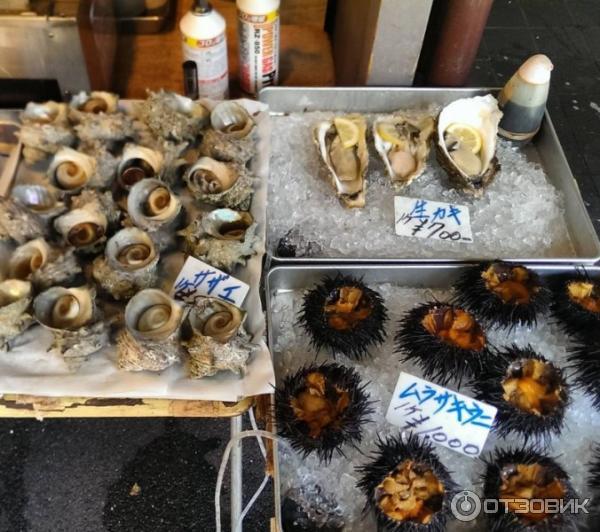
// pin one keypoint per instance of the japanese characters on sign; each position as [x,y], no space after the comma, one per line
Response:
[447,418]
[431,219]
[198,279]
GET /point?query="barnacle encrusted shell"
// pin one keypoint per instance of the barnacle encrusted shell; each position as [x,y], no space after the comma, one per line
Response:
[15,298]
[106,163]
[129,264]
[19,222]
[150,340]
[220,184]
[45,128]
[71,170]
[95,102]
[43,265]
[78,327]
[402,140]
[138,163]
[100,201]
[222,238]
[171,116]
[152,205]
[347,166]
[481,114]
[83,228]
[219,341]
[232,136]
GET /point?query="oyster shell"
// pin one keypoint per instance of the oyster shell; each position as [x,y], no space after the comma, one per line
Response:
[347,165]
[222,238]
[83,228]
[218,342]
[95,102]
[129,264]
[150,340]
[78,327]
[43,265]
[15,299]
[138,163]
[232,136]
[71,170]
[171,116]
[468,170]
[152,205]
[220,184]
[402,141]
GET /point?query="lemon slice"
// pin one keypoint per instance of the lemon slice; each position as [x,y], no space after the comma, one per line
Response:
[348,131]
[467,136]
[389,133]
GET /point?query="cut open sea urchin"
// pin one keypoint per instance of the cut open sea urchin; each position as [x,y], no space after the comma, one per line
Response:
[515,476]
[576,304]
[320,408]
[444,340]
[406,486]
[343,315]
[504,294]
[530,393]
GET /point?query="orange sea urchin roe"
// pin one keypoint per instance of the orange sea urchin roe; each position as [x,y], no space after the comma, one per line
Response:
[511,284]
[455,327]
[320,404]
[347,307]
[532,386]
[411,492]
[520,481]
[585,294]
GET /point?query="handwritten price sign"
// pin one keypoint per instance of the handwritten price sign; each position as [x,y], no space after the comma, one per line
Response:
[432,219]
[198,279]
[447,418]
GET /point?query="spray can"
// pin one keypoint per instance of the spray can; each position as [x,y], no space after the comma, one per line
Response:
[205,44]
[258,35]
[523,100]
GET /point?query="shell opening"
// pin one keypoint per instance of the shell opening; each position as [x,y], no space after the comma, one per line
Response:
[36,198]
[135,255]
[154,317]
[158,201]
[13,290]
[84,234]
[69,175]
[135,170]
[410,493]
[94,105]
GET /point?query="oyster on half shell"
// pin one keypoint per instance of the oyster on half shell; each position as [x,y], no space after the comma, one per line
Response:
[150,340]
[43,265]
[71,170]
[402,141]
[466,142]
[346,158]
[78,327]
[129,263]
[219,341]
[220,184]
[223,238]
[15,299]
[232,136]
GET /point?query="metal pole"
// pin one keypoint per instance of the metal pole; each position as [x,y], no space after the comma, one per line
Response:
[236,474]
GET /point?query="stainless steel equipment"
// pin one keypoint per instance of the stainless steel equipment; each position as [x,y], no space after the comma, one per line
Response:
[62,46]
[545,150]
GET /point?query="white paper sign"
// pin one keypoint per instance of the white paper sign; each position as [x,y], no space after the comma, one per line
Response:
[445,417]
[198,279]
[432,219]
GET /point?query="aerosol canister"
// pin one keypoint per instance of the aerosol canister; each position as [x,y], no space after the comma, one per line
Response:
[258,35]
[205,44]
[523,100]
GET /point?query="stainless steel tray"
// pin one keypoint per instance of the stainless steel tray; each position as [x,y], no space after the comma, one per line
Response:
[545,150]
[289,278]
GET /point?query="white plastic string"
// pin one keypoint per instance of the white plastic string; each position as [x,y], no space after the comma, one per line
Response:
[223,467]
[255,427]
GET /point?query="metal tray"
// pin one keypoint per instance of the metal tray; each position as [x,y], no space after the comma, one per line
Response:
[545,150]
[288,278]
